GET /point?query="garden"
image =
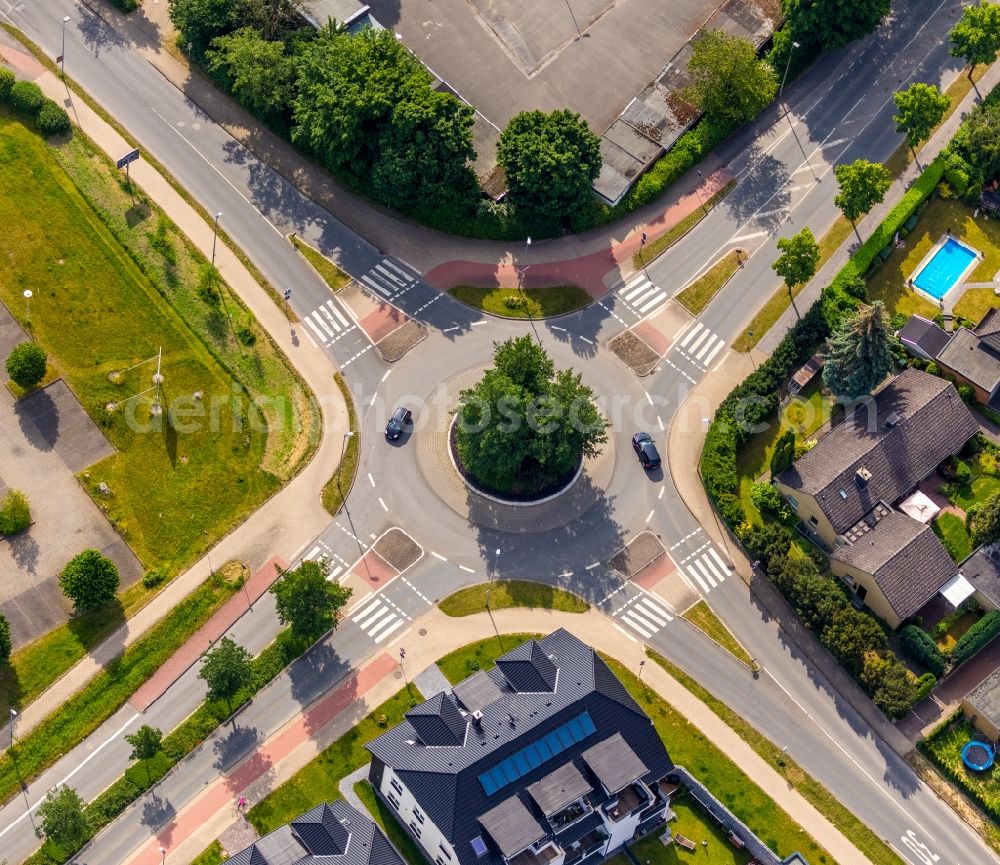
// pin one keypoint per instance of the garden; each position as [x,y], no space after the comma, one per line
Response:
[944,748]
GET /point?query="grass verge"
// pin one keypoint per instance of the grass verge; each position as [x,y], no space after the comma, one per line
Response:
[318,780]
[342,480]
[211,855]
[874,848]
[534,302]
[511,593]
[194,730]
[699,293]
[189,199]
[950,528]
[481,655]
[109,689]
[702,617]
[383,815]
[691,748]
[332,275]
[662,243]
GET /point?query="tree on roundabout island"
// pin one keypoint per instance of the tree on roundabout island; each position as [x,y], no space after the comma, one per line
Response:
[525,426]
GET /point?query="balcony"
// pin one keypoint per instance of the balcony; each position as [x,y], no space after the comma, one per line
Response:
[570,814]
[627,802]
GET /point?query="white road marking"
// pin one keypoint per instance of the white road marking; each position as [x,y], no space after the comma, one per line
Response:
[660,495]
[719,346]
[591,567]
[698,326]
[397,624]
[649,399]
[647,629]
[588,341]
[385,376]
[385,507]
[477,323]
[371,480]
[649,516]
[561,329]
[751,236]
[438,556]
[467,570]
[659,420]
[374,397]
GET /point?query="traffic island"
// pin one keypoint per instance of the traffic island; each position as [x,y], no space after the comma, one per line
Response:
[634,353]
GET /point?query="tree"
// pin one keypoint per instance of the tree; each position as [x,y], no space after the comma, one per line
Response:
[784,452]
[892,687]
[198,22]
[863,184]
[851,634]
[984,521]
[63,820]
[798,260]
[89,580]
[307,600]
[525,425]
[860,353]
[260,74]
[225,669]
[550,161]
[919,109]
[146,743]
[26,364]
[365,107]
[976,36]
[5,642]
[730,84]
[834,23]
[15,515]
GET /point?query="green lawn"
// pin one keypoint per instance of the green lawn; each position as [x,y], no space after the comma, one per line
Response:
[114,283]
[950,528]
[211,855]
[985,482]
[702,617]
[947,641]
[662,243]
[332,275]
[944,747]
[692,823]
[481,655]
[317,781]
[511,593]
[873,847]
[699,293]
[342,480]
[383,815]
[691,748]
[537,302]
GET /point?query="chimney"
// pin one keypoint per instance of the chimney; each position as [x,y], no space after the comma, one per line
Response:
[861,477]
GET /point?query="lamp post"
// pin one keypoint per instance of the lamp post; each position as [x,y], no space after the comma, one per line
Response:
[163,855]
[523,272]
[571,15]
[750,349]
[784,77]
[343,448]
[402,656]
[13,717]
[697,191]
[27,306]
[62,56]
[489,595]
[642,664]
[215,235]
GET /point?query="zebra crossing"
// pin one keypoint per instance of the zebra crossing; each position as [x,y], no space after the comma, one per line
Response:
[701,345]
[644,615]
[336,571]
[641,295]
[379,618]
[706,568]
[389,279]
[328,323]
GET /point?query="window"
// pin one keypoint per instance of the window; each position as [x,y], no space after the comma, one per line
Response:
[444,850]
[438,860]
[415,828]
[417,815]
[794,502]
[813,521]
[394,801]
[396,786]
[861,591]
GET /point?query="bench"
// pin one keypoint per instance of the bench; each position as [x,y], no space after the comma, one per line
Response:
[685,842]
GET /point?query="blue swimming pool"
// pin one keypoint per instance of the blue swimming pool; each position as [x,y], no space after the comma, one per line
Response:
[940,274]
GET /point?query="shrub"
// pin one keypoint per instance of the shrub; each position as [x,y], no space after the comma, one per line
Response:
[89,580]
[933,369]
[967,393]
[919,645]
[151,579]
[766,542]
[851,635]
[963,474]
[26,364]
[246,336]
[925,684]
[15,516]
[784,452]
[127,5]
[892,687]
[767,499]
[976,637]
[26,97]
[5,642]
[512,301]
[52,119]
[7,81]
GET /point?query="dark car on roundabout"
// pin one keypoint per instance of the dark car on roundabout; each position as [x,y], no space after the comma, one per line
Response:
[400,420]
[645,449]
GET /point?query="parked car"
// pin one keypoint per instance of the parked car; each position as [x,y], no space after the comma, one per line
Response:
[400,419]
[645,449]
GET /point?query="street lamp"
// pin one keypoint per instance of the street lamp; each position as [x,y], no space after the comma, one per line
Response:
[62,57]
[641,665]
[13,717]
[750,349]
[785,76]
[27,306]
[215,235]
[697,191]
[343,448]
[163,855]
[489,594]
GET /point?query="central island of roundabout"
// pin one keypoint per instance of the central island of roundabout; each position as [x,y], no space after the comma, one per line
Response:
[518,445]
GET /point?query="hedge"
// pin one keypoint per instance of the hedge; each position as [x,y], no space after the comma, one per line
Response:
[919,645]
[26,97]
[976,638]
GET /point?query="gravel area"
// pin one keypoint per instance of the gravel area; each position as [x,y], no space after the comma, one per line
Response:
[398,549]
[400,341]
[634,353]
[644,548]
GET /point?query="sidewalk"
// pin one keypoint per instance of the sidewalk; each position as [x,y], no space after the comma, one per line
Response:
[203,819]
[294,514]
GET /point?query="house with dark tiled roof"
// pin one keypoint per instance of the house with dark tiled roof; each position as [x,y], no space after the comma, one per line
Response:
[844,491]
[972,356]
[922,337]
[333,833]
[543,760]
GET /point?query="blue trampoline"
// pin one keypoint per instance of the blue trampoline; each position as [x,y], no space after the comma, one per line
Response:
[977,756]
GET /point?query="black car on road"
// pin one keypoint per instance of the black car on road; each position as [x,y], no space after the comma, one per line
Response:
[642,444]
[400,419]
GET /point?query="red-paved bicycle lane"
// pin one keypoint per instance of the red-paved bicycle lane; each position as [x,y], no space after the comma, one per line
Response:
[222,793]
[587,271]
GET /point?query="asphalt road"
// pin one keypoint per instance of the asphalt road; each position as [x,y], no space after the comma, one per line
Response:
[791,703]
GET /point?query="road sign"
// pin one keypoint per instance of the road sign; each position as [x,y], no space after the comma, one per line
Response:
[131,156]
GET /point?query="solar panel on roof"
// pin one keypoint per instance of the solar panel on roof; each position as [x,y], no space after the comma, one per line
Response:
[478,845]
[532,756]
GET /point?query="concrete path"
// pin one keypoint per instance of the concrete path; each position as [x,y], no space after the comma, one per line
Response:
[290,518]
[278,758]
